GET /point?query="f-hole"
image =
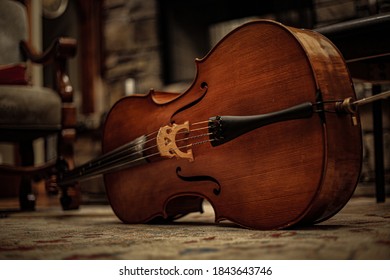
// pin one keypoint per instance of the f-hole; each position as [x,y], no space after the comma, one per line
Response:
[200,178]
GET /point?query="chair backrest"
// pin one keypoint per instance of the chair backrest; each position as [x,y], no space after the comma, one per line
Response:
[13,29]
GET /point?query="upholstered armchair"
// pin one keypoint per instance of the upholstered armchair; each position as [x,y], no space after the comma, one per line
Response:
[29,112]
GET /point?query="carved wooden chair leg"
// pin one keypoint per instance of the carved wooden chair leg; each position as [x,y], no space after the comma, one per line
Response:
[27,198]
[70,197]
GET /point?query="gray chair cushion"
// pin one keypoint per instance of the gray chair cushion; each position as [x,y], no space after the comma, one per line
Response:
[30,108]
[13,29]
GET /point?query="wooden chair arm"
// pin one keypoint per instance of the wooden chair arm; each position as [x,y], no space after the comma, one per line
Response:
[62,48]
[57,53]
[23,170]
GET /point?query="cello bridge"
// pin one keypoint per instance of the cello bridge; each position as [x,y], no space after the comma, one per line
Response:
[167,142]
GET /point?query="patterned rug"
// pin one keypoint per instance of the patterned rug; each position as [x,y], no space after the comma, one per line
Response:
[360,231]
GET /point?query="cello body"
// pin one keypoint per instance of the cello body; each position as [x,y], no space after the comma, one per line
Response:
[299,171]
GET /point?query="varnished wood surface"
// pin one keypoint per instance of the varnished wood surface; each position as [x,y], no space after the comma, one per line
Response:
[289,172]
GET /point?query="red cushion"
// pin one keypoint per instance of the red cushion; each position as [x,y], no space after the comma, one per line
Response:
[13,74]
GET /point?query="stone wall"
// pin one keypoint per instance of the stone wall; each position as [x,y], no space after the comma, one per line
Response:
[131,47]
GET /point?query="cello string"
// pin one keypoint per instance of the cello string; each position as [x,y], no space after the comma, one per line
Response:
[118,160]
[119,150]
[105,159]
[128,163]
[102,166]
[124,164]
[130,145]
[118,155]
[88,169]
[202,122]
[126,147]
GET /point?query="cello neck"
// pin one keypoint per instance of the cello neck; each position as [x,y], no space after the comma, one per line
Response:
[129,155]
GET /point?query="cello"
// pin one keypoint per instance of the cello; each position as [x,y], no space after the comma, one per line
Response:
[268,133]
